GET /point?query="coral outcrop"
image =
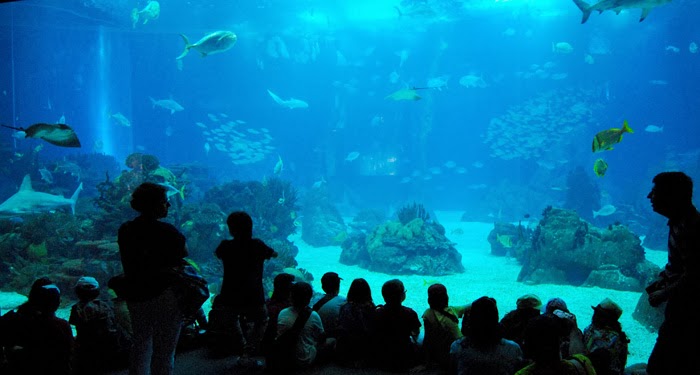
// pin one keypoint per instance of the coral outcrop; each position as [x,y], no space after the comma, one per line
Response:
[413,245]
[322,224]
[568,250]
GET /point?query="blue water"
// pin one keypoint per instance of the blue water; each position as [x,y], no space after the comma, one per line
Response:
[84,60]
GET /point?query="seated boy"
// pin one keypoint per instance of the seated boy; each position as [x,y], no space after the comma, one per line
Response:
[396,332]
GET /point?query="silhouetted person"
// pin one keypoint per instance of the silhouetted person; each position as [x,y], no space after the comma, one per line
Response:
[605,342]
[150,250]
[515,321]
[328,307]
[483,350]
[242,298]
[677,345]
[35,340]
[396,330]
[356,324]
[441,323]
[99,343]
[310,337]
[543,339]
[279,300]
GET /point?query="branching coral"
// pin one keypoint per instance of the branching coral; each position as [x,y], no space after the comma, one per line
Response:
[412,211]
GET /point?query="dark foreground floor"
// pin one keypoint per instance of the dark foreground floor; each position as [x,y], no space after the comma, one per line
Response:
[196,362]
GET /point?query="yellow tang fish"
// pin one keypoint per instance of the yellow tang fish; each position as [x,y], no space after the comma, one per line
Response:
[604,140]
[600,167]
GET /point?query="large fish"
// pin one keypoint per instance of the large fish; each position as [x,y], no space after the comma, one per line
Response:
[168,104]
[215,42]
[290,103]
[618,5]
[56,134]
[604,140]
[28,201]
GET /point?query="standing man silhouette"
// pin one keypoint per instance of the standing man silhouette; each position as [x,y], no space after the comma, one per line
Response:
[677,345]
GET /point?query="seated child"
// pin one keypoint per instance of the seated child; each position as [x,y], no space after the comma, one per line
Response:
[396,330]
[99,343]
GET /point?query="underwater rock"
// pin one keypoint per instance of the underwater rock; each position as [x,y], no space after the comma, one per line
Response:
[612,279]
[322,224]
[417,247]
[354,251]
[650,317]
[564,244]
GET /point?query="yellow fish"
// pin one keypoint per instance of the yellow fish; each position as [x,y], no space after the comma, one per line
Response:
[505,240]
[604,140]
[600,167]
[404,94]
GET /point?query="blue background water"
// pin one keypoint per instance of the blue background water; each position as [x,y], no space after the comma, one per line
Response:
[84,60]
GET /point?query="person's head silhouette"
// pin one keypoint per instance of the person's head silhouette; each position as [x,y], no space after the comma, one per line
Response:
[672,194]
[150,200]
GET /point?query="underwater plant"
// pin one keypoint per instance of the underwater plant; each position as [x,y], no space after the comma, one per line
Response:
[412,211]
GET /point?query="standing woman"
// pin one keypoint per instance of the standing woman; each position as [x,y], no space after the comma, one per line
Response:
[149,249]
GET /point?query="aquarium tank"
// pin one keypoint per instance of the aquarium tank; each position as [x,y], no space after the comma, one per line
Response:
[497,147]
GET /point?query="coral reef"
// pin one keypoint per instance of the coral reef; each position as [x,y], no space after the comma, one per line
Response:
[510,240]
[271,203]
[415,247]
[322,224]
[568,250]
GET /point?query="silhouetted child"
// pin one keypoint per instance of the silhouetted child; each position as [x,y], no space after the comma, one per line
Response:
[396,330]
[441,326]
[34,339]
[99,343]
[605,342]
[242,300]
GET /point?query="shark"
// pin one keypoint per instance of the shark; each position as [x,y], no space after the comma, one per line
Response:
[618,5]
[28,201]
[168,104]
[216,42]
[291,103]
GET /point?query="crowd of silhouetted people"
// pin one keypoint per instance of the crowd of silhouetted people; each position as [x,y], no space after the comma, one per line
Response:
[141,327]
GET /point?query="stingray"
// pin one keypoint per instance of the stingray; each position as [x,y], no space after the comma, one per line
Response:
[408,94]
[56,134]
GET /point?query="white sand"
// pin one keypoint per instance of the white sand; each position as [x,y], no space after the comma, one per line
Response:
[484,275]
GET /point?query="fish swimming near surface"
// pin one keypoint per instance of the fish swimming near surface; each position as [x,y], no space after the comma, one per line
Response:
[604,140]
[600,167]
[654,129]
[150,12]
[28,201]
[56,134]
[168,104]
[291,103]
[618,5]
[216,42]
[606,210]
